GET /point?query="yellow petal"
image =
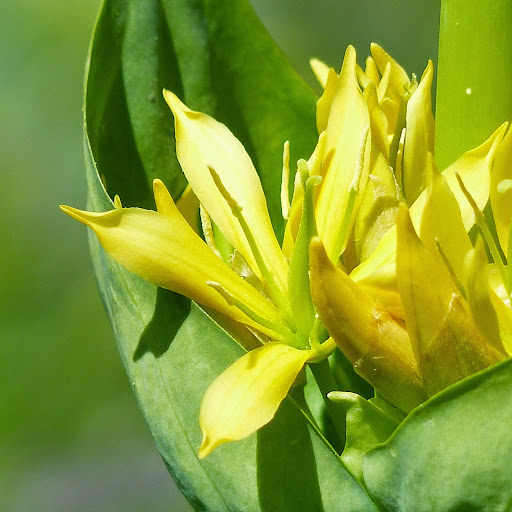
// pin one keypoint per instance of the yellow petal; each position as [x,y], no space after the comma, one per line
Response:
[474,167]
[324,103]
[382,88]
[188,206]
[201,142]
[321,71]
[369,337]
[164,250]
[398,77]
[501,190]
[371,71]
[390,109]
[247,395]
[447,343]
[378,121]
[441,221]
[346,136]
[377,211]
[478,295]
[504,314]
[419,140]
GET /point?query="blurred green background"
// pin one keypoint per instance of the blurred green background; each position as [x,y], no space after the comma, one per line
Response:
[71,437]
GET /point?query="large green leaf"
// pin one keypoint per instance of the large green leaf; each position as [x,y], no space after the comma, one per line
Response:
[453,453]
[219,59]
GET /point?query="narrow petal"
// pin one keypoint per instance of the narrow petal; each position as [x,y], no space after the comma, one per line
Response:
[377,211]
[441,221]
[369,337]
[398,77]
[378,121]
[324,103]
[474,167]
[247,395]
[346,136]
[202,142]
[372,71]
[419,141]
[504,314]
[164,250]
[478,294]
[321,71]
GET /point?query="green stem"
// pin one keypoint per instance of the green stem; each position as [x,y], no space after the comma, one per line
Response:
[474,85]
[325,380]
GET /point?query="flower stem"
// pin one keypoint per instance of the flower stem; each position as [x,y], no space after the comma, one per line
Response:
[325,380]
[474,86]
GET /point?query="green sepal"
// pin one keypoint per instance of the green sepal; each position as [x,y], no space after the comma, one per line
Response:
[369,423]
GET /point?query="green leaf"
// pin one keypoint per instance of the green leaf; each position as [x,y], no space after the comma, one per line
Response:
[451,454]
[219,59]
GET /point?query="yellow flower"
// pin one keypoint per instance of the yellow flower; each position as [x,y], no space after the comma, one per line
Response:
[267,295]
[411,301]
[376,248]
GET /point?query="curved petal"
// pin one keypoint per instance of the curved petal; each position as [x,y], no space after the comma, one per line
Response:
[398,77]
[346,135]
[247,395]
[163,249]
[368,336]
[202,142]
[441,221]
[321,71]
[478,295]
[419,139]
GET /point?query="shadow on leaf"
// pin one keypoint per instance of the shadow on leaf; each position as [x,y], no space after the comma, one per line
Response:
[287,473]
[171,310]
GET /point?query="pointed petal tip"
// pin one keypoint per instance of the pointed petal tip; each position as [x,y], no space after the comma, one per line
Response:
[79,215]
[207,447]
[376,49]
[350,52]
[175,104]
[159,186]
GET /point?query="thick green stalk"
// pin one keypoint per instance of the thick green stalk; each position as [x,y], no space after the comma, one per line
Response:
[474,84]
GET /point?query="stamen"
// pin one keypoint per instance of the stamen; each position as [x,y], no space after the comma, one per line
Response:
[117,202]
[282,333]
[275,290]
[206,224]
[353,192]
[316,331]
[299,292]
[449,267]
[399,171]
[285,180]
[489,239]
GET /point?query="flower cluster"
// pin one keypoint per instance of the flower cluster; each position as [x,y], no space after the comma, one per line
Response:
[402,267]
